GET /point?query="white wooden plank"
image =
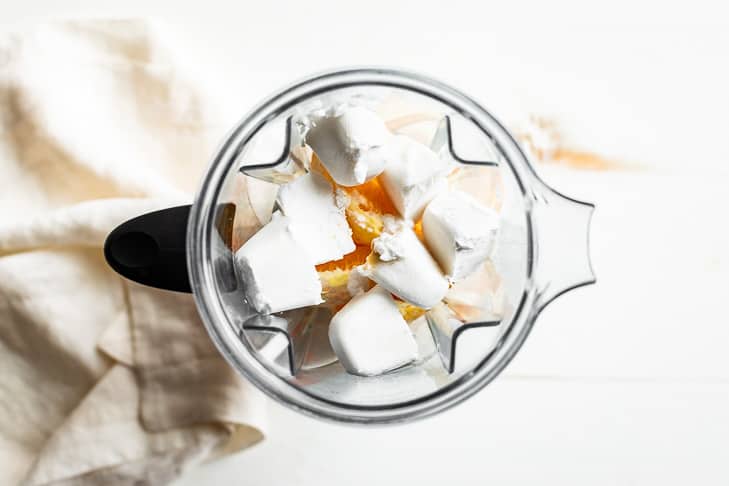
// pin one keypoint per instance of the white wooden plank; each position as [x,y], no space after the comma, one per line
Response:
[514,433]
[659,244]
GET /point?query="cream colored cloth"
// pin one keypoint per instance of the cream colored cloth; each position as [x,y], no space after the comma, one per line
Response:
[102,381]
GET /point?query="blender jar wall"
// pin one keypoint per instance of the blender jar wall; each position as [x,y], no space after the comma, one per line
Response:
[327,391]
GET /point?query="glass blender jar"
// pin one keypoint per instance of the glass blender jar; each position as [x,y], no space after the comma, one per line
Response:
[542,252]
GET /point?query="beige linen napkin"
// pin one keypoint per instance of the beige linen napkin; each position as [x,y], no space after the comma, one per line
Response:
[102,381]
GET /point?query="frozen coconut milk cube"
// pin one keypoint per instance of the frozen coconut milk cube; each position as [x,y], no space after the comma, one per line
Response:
[413,176]
[318,223]
[278,274]
[369,336]
[401,264]
[460,232]
[349,144]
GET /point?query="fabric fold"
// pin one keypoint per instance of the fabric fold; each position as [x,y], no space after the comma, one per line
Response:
[104,381]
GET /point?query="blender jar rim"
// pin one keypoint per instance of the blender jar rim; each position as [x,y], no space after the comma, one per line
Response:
[238,352]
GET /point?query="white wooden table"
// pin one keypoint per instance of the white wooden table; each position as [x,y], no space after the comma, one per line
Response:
[625,382]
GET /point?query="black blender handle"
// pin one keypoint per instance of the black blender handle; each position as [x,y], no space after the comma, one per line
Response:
[150,249]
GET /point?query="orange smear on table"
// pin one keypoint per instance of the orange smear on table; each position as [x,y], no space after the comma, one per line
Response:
[584,160]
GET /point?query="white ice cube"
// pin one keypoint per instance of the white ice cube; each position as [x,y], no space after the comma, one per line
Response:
[460,232]
[278,274]
[369,336]
[413,175]
[404,267]
[317,221]
[349,143]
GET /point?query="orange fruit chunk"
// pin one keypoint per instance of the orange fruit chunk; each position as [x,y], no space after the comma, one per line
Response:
[408,311]
[348,261]
[368,203]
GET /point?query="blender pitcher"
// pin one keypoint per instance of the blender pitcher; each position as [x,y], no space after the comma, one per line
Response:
[541,252]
